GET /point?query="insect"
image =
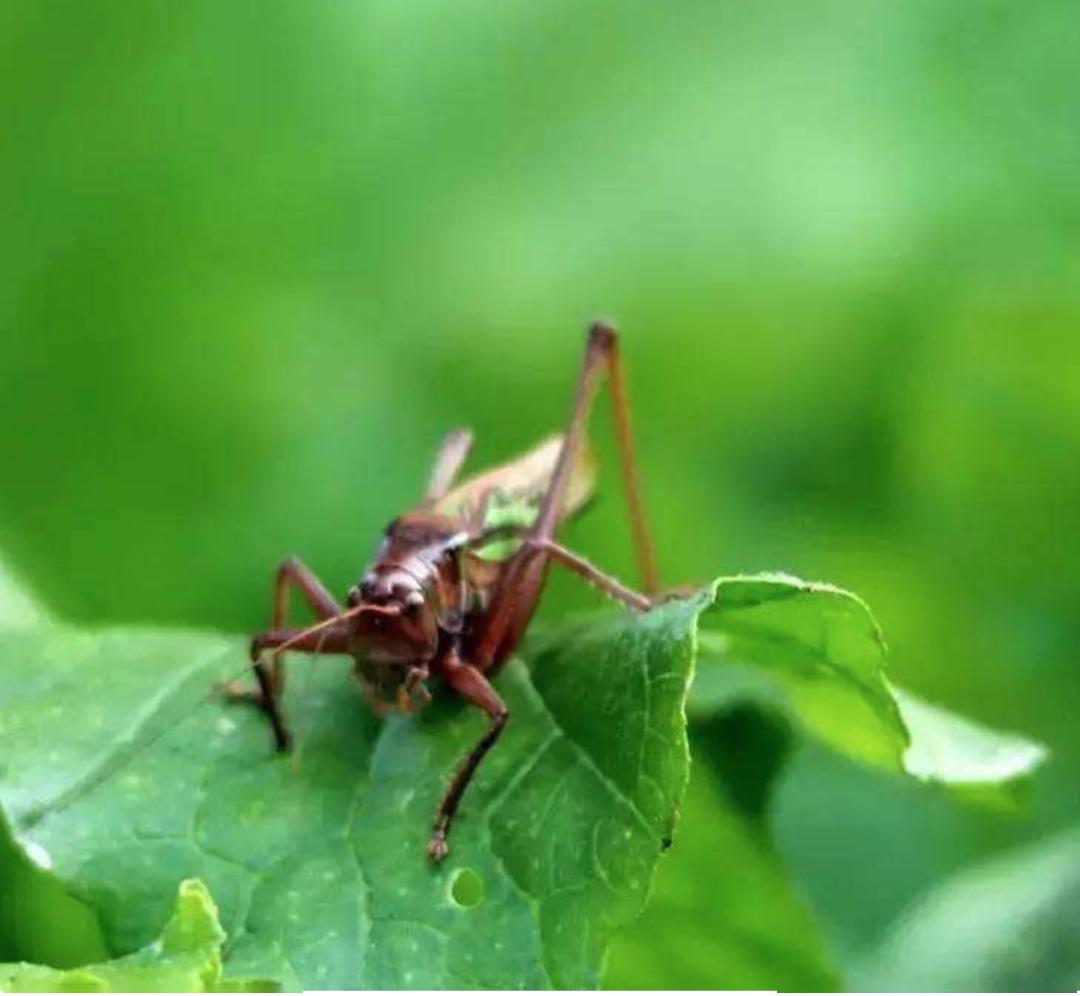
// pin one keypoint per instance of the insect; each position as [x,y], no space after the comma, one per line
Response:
[456,580]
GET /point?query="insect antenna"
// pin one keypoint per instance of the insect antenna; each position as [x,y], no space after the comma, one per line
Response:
[303,697]
[323,628]
[357,610]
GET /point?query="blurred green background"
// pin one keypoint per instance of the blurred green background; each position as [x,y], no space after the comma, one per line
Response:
[256,257]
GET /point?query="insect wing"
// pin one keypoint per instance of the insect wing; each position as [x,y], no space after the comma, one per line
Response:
[510,494]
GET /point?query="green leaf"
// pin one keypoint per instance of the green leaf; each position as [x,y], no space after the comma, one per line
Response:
[815,653]
[186,958]
[39,921]
[776,654]
[819,651]
[742,732]
[723,914]
[984,764]
[17,607]
[1010,925]
[121,770]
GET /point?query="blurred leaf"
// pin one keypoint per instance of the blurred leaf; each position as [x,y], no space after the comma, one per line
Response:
[983,764]
[1010,925]
[115,775]
[17,607]
[39,921]
[746,746]
[814,652]
[723,914]
[186,958]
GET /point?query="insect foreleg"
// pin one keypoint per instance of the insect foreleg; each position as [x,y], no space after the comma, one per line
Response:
[293,573]
[332,640]
[271,678]
[472,686]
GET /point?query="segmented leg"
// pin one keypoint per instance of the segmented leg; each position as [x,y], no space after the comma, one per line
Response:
[522,579]
[331,640]
[271,678]
[453,452]
[472,686]
[593,575]
[639,523]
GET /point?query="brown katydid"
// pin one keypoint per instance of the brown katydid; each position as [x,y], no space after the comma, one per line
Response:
[456,581]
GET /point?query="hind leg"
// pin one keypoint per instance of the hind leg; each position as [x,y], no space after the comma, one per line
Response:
[523,577]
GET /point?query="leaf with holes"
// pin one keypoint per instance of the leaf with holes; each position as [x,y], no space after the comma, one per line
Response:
[122,773]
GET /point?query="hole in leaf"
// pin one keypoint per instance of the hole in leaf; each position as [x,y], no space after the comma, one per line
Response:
[467,889]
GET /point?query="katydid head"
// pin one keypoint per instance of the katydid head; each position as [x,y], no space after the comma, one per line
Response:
[403,590]
[394,622]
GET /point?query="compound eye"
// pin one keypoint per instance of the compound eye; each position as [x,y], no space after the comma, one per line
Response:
[414,601]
